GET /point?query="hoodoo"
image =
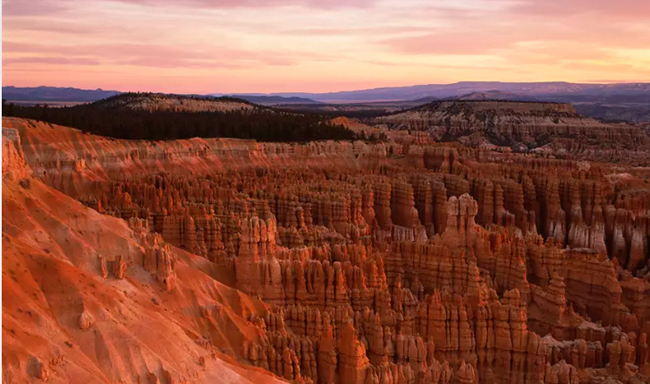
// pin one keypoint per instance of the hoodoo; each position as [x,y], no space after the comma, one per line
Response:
[324,262]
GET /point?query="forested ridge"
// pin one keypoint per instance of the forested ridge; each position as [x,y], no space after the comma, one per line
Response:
[109,118]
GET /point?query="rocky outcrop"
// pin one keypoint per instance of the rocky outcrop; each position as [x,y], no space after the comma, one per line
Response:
[399,262]
[545,128]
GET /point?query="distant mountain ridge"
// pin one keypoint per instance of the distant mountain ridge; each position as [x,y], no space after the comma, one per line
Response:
[43,93]
[51,94]
[617,101]
[486,95]
[497,95]
[416,92]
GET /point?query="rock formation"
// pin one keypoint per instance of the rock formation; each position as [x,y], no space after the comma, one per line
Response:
[409,261]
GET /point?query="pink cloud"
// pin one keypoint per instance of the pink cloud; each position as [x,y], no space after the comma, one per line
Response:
[353,30]
[455,43]
[494,31]
[34,7]
[50,60]
[49,7]
[150,55]
[18,24]
[224,4]
[628,9]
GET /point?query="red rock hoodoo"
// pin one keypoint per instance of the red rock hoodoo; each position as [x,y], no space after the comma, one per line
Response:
[407,261]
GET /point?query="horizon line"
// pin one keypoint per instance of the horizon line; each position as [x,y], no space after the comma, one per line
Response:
[594,82]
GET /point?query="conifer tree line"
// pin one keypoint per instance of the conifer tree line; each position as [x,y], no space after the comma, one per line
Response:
[109,118]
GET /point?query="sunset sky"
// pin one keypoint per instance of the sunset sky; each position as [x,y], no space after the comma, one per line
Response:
[205,46]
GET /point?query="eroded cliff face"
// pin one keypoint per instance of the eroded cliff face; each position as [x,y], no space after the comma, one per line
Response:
[390,263]
[547,129]
[89,298]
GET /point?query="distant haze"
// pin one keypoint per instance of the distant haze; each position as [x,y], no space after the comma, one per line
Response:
[547,91]
[624,102]
[246,46]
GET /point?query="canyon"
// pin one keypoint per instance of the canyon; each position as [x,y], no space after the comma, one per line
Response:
[548,129]
[478,243]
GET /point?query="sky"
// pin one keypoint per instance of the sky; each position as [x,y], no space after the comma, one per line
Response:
[228,46]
